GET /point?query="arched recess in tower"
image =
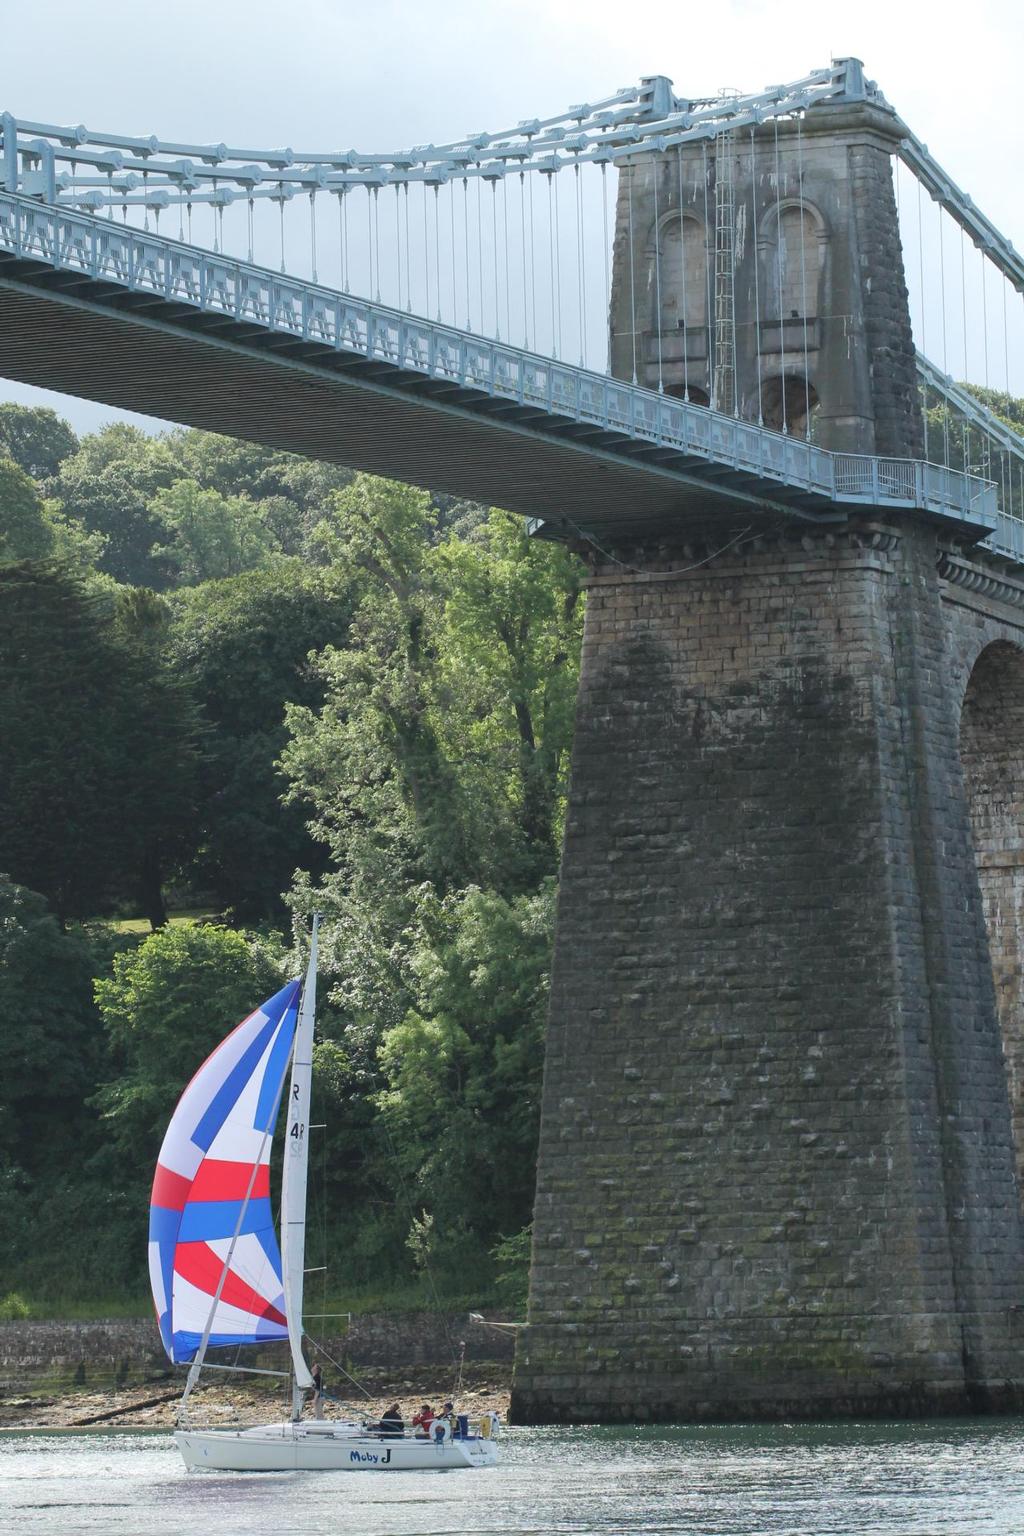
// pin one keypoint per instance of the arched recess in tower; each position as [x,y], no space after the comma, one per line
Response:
[679,320]
[992,753]
[792,253]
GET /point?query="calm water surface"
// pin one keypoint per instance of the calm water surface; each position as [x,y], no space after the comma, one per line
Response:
[801,1480]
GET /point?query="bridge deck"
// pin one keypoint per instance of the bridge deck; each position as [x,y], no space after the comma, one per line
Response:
[149,324]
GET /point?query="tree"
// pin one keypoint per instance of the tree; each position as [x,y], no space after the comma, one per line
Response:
[212,536]
[167,1005]
[53,1043]
[36,438]
[242,647]
[98,753]
[25,533]
[463,1070]
[108,486]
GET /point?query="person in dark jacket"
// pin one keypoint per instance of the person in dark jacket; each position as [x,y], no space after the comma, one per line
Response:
[391,1425]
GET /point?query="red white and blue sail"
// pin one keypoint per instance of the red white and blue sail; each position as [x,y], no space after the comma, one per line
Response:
[211,1192]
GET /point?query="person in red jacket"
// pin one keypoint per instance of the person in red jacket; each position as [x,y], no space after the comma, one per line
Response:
[422,1421]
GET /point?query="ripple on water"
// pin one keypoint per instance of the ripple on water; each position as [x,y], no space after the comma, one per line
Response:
[953,1478]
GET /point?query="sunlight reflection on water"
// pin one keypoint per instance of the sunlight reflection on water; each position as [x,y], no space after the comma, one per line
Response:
[960,1477]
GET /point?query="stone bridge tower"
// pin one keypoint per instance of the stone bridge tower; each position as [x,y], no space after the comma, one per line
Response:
[777,1169]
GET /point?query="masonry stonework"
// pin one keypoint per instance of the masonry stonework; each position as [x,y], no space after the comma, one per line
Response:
[777,1173]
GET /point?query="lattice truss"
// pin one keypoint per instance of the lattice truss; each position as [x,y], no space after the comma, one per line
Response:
[508,235]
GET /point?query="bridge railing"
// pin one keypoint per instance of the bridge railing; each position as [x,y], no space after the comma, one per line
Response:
[142,262]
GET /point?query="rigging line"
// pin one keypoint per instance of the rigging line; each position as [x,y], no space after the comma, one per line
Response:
[398,239]
[682,268]
[632,276]
[522,235]
[803,275]
[321,1350]
[657,276]
[605,242]
[312,233]
[757,287]
[250,211]
[408,256]
[1006,341]
[779,258]
[709,256]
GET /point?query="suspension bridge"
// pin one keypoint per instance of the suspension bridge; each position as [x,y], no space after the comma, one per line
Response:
[439,314]
[744,351]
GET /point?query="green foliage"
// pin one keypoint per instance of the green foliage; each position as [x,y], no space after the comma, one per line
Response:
[166,1006]
[98,754]
[25,533]
[463,1069]
[242,647]
[211,535]
[512,1261]
[13,1308]
[435,770]
[52,1047]
[36,438]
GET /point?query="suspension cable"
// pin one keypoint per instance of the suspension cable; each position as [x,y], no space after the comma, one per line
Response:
[632,274]
[709,256]
[558,265]
[779,259]
[682,268]
[522,238]
[657,275]
[803,275]
[606,243]
[465,248]
[756,253]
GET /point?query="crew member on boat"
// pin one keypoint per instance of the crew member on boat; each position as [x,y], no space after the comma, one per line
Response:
[422,1421]
[392,1425]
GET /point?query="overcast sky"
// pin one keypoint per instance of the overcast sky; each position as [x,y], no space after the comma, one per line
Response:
[383,74]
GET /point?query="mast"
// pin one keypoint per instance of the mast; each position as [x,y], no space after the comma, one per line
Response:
[293,1187]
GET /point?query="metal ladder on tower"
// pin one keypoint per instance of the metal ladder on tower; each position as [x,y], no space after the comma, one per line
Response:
[723,379]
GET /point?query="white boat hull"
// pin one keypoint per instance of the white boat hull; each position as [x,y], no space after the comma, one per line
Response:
[319,1446]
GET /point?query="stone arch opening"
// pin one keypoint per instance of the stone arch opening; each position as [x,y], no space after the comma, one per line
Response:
[992,754]
[789,403]
[678,341]
[792,246]
[683,267]
[696,395]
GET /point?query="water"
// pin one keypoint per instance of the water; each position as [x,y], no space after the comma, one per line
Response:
[785,1480]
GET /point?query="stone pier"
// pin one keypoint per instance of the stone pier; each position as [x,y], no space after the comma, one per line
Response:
[777,1172]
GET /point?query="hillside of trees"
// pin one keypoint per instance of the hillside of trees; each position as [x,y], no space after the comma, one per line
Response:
[240,685]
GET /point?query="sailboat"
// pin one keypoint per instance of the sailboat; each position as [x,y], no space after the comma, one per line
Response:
[219,1278]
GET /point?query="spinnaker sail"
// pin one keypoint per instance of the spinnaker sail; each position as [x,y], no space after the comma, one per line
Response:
[211,1193]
